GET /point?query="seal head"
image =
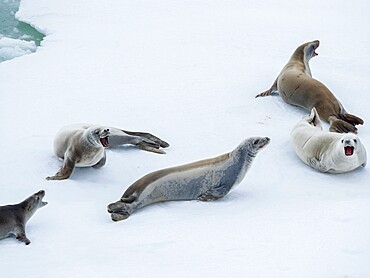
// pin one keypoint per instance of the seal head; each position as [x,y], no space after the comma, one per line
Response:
[98,136]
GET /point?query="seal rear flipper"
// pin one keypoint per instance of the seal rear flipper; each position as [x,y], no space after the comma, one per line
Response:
[352,119]
[120,210]
[119,216]
[340,126]
[129,199]
[148,136]
[149,148]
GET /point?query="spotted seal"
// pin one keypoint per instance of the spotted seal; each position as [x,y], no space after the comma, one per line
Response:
[204,180]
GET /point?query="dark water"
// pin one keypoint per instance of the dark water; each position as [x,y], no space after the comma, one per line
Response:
[10,27]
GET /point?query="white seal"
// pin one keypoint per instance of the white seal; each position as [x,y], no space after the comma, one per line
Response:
[326,151]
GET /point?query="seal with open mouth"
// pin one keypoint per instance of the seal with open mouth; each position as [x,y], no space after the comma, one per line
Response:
[13,218]
[204,180]
[83,145]
[296,86]
[326,151]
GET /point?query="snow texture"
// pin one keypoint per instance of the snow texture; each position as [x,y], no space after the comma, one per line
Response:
[12,48]
[186,71]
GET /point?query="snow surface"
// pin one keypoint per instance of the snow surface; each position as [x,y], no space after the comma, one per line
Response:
[186,71]
[12,48]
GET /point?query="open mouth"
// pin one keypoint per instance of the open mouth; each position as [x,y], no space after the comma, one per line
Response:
[262,146]
[41,195]
[315,46]
[314,53]
[104,141]
[348,150]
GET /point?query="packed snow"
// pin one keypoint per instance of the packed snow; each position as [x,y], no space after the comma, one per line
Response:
[188,72]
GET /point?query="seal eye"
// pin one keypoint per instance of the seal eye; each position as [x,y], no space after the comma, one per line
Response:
[96,132]
[342,140]
[355,141]
[255,142]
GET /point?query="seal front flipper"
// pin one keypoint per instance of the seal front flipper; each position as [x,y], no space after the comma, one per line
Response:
[20,235]
[316,164]
[270,91]
[206,197]
[214,193]
[65,172]
[102,161]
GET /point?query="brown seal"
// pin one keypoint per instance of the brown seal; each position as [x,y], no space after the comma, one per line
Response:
[13,218]
[296,86]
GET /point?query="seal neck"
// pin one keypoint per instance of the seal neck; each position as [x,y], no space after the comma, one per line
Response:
[90,139]
[28,209]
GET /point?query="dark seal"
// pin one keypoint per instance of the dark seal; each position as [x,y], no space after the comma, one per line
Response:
[13,218]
